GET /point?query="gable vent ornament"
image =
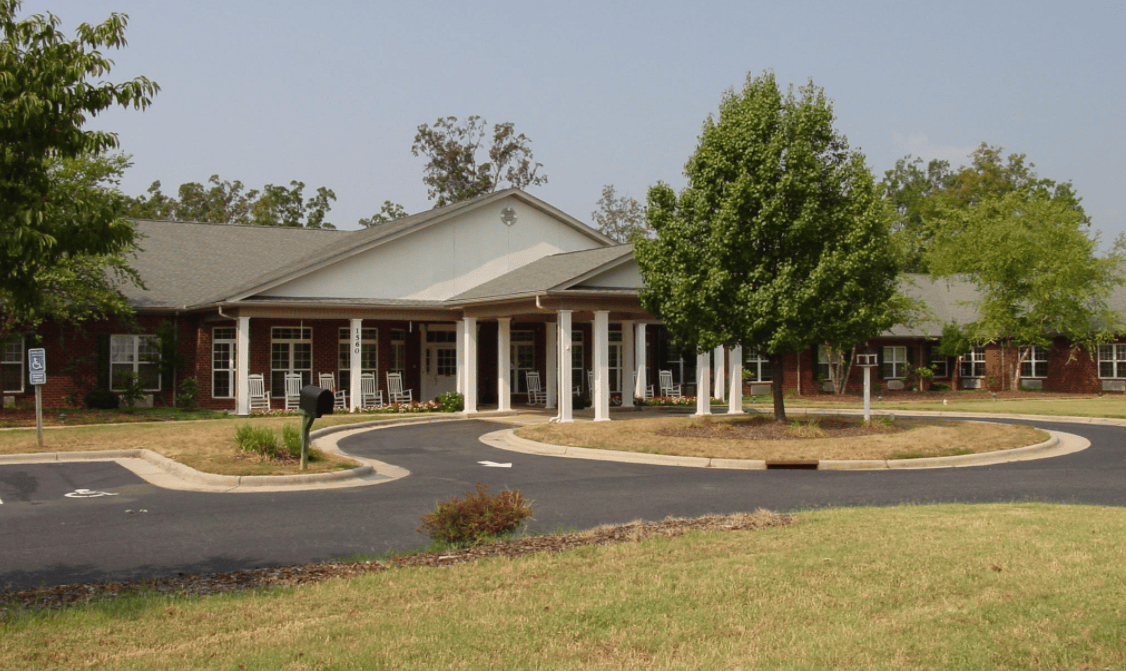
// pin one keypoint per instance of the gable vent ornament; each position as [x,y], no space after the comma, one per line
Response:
[508,216]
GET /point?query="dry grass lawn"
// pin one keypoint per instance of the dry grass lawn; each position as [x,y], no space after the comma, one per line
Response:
[917,438]
[207,446]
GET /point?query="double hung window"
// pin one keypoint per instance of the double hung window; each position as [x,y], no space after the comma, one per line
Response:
[940,364]
[137,354]
[757,368]
[1036,364]
[578,371]
[11,366]
[398,351]
[291,351]
[824,360]
[223,356]
[973,363]
[522,358]
[894,365]
[1112,361]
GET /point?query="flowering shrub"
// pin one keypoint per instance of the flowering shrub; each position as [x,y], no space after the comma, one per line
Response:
[669,400]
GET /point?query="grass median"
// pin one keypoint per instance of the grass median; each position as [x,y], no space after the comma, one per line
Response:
[1028,586]
[1028,403]
[206,445]
[723,438]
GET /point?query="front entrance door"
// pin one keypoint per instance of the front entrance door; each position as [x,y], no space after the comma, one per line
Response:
[439,361]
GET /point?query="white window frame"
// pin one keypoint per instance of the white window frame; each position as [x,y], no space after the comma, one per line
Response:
[825,359]
[127,349]
[578,370]
[284,336]
[398,363]
[614,359]
[894,362]
[754,363]
[369,352]
[1113,355]
[12,358]
[224,336]
[937,362]
[1036,364]
[974,361]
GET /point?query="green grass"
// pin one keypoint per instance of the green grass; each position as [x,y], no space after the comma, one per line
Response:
[1018,586]
[1113,407]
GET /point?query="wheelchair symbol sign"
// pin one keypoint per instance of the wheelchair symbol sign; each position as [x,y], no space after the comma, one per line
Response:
[37,365]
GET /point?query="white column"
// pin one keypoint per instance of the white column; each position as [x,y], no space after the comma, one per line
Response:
[504,355]
[703,384]
[565,400]
[601,391]
[719,368]
[551,361]
[355,368]
[242,366]
[627,364]
[735,373]
[640,363]
[459,343]
[470,365]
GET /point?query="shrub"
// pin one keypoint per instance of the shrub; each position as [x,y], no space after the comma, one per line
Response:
[131,390]
[938,386]
[451,402]
[476,518]
[102,399]
[189,393]
[258,439]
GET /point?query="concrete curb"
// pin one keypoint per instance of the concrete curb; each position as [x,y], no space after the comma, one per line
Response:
[1059,443]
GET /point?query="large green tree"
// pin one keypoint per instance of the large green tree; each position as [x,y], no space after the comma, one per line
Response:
[454,172]
[49,86]
[226,202]
[779,242]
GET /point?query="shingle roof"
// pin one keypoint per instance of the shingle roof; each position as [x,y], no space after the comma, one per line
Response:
[550,272]
[946,300]
[184,263]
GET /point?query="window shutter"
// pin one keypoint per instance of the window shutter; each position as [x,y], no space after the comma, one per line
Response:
[103,361]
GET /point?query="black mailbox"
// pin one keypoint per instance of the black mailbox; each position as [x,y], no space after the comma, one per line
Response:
[316,401]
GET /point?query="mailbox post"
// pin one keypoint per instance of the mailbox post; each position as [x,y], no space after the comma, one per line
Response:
[315,402]
[867,362]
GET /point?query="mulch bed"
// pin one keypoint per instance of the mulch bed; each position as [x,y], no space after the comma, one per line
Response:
[239,581]
[765,428]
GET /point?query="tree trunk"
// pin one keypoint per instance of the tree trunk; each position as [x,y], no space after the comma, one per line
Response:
[956,375]
[779,399]
[1022,354]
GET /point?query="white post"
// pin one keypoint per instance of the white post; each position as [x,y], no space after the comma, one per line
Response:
[565,400]
[470,365]
[504,356]
[459,357]
[242,367]
[551,361]
[626,384]
[719,368]
[735,392]
[601,391]
[355,368]
[867,393]
[640,363]
[703,384]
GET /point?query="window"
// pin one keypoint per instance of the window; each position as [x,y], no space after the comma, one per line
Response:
[444,353]
[1036,365]
[291,351]
[973,363]
[894,365]
[522,358]
[223,348]
[369,355]
[615,361]
[940,364]
[824,357]
[398,351]
[578,371]
[757,368]
[11,366]
[1112,361]
[138,354]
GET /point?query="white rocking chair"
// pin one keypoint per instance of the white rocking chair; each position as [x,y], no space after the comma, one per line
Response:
[259,399]
[648,391]
[536,394]
[370,395]
[339,396]
[667,387]
[395,393]
[292,391]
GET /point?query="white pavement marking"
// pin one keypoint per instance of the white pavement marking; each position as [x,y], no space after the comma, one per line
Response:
[493,464]
[87,494]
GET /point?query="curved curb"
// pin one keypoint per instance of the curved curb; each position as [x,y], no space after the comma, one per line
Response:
[1058,444]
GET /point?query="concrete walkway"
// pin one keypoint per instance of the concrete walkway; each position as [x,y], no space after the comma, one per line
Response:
[169,474]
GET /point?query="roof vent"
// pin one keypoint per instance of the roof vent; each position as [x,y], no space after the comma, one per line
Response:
[508,216]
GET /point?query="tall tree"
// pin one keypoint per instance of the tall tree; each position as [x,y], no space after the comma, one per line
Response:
[909,188]
[226,202]
[453,173]
[49,86]
[1036,268]
[620,217]
[389,212]
[779,242]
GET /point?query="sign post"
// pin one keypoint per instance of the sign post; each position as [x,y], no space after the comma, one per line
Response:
[867,362]
[37,372]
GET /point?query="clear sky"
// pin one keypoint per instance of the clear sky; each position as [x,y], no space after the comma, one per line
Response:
[330,93]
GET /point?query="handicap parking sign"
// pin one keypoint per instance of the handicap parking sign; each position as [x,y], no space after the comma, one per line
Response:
[37,365]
